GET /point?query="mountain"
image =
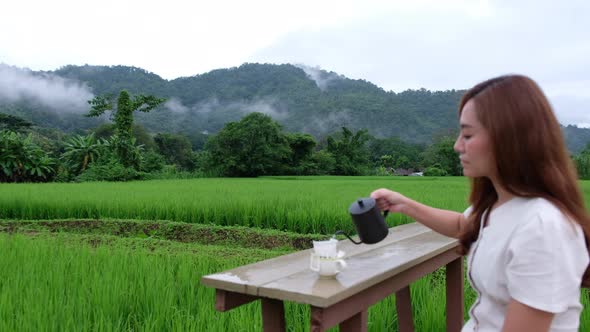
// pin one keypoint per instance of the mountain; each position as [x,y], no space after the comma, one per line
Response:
[302,99]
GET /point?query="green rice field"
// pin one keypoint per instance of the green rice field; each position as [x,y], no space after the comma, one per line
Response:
[297,204]
[129,256]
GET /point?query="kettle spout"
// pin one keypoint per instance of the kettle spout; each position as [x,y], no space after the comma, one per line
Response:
[343,233]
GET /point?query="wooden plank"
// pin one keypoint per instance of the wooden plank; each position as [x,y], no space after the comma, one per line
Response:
[364,270]
[324,318]
[225,300]
[248,278]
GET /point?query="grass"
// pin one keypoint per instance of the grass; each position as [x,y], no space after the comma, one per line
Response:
[129,256]
[75,282]
[164,230]
[302,204]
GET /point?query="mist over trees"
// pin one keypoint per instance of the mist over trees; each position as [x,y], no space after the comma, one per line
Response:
[247,121]
[301,99]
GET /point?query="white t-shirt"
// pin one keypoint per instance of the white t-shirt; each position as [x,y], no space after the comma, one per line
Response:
[531,252]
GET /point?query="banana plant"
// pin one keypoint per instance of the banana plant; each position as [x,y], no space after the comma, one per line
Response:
[80,151]
[22,160]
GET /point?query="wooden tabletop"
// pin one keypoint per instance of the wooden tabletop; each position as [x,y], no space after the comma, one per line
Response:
[289,278]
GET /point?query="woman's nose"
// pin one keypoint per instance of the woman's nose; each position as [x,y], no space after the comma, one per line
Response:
[458,147]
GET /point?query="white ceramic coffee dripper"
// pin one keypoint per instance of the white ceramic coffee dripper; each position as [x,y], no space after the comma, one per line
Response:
[326,259]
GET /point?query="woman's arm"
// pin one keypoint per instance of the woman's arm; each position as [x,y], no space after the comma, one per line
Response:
[521,317]
[448,223]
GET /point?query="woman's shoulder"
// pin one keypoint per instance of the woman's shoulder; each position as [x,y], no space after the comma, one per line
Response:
[546,215]
[538,205]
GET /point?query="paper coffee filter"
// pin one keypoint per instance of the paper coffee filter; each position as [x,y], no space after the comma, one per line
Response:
[326,248]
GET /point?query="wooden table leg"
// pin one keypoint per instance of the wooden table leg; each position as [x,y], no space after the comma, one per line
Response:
[356,323]
[225,300]
[403,305]
[273,315]
[317,319]
[454,294]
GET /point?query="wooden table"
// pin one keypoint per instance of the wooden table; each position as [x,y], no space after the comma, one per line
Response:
[373,273]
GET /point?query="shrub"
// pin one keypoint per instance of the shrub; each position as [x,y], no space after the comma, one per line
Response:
[152,161]
[109,170]
[434,171]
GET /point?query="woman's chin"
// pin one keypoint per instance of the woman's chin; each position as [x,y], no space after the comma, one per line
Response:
[467,173]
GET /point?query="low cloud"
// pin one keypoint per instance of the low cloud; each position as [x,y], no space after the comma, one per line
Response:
[53,91]
[175,105]
[321,77]
[267,105]
[329,123]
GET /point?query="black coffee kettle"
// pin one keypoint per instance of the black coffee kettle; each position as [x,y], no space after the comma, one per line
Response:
[368,221]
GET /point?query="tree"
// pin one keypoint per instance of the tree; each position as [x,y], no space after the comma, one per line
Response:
[142,136]
[13,123]
[435,170]
[302,149]
[176,149]
[442,152]
[252,147]
[582,161]
[349,151]
[122,115]
[401,154]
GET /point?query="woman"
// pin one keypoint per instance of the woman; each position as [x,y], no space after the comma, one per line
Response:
[524,233]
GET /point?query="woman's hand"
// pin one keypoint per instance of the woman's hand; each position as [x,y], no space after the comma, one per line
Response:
[388,200]
[448,223]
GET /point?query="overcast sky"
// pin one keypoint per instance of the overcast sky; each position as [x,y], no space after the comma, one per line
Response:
[397,45]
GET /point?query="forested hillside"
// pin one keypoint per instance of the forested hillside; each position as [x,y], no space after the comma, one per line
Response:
[301,99]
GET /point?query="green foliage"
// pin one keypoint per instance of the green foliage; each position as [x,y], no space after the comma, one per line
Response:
[320,163]
[108,169]
[80,151]
[252,147]
[350,152]
[302,146]
[142,136]
[302,160]
[582,162]
[22,160]
[412,115]
[127,151]
[171,172]
[177,150]
[576,138]
[442,154]
[13,123]
[123,142]
[435,170]
[151,161]
[394,153]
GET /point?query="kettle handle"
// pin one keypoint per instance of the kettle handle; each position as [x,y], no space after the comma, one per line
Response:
[342,232]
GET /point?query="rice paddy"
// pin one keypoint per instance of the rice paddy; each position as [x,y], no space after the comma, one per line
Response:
[129,256]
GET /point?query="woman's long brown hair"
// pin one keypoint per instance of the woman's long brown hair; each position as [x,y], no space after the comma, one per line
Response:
[530,152]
